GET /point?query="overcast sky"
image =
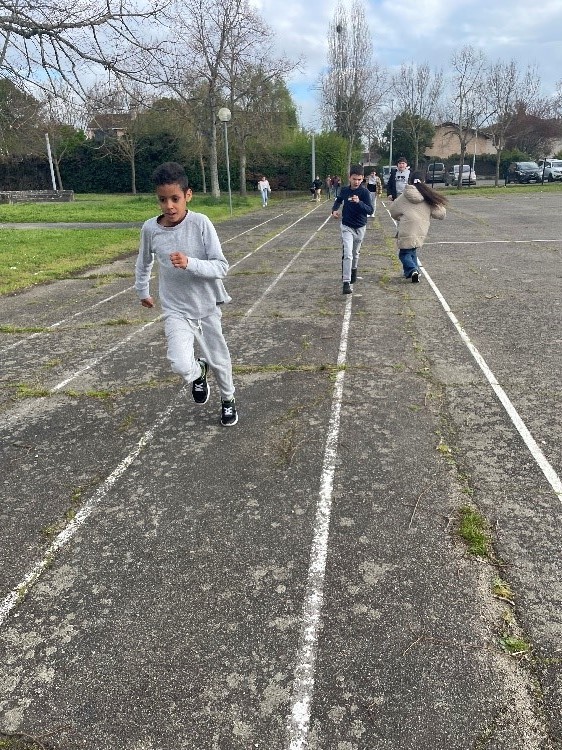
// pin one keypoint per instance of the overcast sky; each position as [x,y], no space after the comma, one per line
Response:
[405,31]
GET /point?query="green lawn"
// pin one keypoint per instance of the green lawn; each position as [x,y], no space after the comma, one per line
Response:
[32,256]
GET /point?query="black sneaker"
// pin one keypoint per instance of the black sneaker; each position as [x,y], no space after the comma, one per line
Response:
[347,288]
[200,388]
[229,415]
[353,275]
[415,277]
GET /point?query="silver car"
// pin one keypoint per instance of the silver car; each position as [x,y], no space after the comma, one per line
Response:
[468,175]
[551,169]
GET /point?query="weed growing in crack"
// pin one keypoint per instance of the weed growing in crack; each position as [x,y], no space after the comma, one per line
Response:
[474,529]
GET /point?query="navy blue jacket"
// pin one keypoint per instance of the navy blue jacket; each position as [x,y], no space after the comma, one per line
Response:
[354,215]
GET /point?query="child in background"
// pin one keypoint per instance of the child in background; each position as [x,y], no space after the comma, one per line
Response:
[191,266]
[265,190]
[374,186]
[413,209]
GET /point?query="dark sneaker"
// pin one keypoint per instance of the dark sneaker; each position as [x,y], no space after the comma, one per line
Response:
[353,275]
[200,388]
[229,415]
[347,288]
[415,277]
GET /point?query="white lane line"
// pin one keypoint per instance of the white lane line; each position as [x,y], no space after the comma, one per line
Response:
[103,356]
[31,578]
[53,326]
[303,684]
[546,468]
[251,229]
[284,271]
[259,247]
[536,452]
[66,320]
[33,575]
[487,242]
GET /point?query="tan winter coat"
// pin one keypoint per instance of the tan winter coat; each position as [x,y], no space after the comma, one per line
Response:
[413,214]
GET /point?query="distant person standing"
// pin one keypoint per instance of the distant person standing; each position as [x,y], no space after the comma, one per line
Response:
[329,186]
[356,208]
[398,178]
[413,210]
[265,190]
[336,185]
[317,185]
[374,186]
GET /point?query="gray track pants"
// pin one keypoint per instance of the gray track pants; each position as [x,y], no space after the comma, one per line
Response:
[351,246]
[181,333]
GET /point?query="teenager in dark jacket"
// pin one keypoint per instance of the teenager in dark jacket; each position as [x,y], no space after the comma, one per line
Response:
[356,208]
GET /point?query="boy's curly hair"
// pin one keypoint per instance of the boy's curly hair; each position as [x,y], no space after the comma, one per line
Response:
[170,173]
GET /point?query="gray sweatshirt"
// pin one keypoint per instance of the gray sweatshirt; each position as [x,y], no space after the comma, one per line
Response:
[195,291]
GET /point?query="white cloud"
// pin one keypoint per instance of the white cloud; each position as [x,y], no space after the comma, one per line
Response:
[419,31]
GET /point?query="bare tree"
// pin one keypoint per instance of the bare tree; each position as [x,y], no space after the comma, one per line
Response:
[262,111]
[63,117]
[507,88]
[45,41]
[213,42]
[124,106]
[20,122]
[353,86]
[468,102]
[418,92]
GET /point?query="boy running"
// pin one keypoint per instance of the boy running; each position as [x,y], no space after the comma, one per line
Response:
[356,208]
[191,266]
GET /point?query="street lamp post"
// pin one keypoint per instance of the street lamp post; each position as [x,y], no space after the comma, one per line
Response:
[225,116]
[391,133]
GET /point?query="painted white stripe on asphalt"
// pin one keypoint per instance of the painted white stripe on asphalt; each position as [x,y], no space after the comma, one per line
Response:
[289,264]
[251,229]
[103,356]
[29,580]
[486,242]
[546,468]
[66,320]
[536,452]
[303,684]
[290,226]
[12,599]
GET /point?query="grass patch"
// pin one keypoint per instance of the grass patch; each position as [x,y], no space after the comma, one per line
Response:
[502,190]
[118,208]
[20,741]
[33,256]
[22,329]
[473,528]
[28,391]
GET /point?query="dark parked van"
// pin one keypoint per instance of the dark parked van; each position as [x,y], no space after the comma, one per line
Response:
[436,172]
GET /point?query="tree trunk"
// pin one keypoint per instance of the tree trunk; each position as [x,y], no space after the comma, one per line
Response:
[57,170]
[133,176]
[203,174]
[349,154]
[243,162]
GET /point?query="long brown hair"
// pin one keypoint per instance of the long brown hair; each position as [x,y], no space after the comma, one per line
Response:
[430,195]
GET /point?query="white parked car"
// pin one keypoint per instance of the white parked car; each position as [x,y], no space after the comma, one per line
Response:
[386,174]
[551,169]
[468,175]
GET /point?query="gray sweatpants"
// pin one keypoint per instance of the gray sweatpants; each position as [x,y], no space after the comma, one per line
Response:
[181,333]
[351,246]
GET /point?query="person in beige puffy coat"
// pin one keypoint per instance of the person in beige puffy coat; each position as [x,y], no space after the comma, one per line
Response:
[413,210]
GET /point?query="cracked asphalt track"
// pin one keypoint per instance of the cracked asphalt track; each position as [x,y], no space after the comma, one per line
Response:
[171,618]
